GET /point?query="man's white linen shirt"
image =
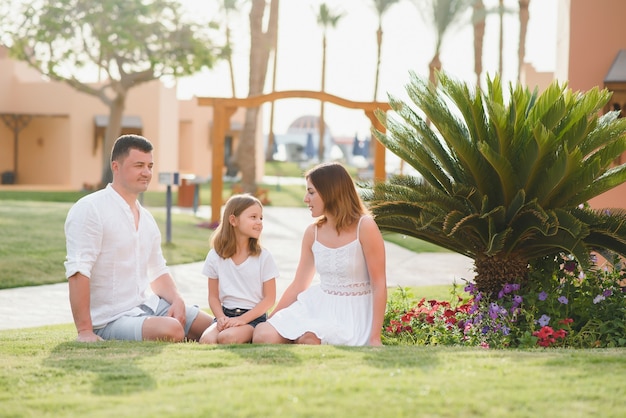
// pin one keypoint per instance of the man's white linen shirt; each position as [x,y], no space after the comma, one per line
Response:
[120,260]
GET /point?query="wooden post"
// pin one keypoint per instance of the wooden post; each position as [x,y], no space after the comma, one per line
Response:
[379,149]
[221,123]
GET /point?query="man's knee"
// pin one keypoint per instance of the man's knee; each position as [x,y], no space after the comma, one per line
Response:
[163,328]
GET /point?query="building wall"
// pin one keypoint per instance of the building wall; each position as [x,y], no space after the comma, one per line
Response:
[57,148]
[596,35]
[590,37]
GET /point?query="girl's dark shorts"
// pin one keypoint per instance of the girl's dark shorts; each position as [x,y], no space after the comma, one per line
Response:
[231,313]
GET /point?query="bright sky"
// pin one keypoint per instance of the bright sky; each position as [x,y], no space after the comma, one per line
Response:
[351,53]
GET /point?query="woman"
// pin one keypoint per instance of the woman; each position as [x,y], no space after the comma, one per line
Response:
[345,247]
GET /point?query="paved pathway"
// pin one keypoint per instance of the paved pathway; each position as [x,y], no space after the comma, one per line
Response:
[282,234]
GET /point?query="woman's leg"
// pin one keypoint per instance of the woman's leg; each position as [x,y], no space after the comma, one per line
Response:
[265,333]
[308,338]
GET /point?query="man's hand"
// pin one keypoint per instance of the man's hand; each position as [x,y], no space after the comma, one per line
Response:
[178,311]
[88,337]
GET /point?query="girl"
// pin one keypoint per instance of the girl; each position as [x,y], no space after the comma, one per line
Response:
[346,248]
[242,285]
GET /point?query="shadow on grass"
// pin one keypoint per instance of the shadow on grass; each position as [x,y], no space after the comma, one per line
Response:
[391,357]
[264,354]
[114,363]
[387,357]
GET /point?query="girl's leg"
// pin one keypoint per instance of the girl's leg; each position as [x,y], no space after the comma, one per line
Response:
[209,336]
[236,335]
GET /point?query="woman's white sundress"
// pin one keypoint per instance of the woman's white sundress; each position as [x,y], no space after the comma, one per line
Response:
[338,309]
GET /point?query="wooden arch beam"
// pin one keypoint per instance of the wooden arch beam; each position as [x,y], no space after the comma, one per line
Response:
[224,108]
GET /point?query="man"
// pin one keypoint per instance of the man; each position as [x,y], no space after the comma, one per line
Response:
[119,284]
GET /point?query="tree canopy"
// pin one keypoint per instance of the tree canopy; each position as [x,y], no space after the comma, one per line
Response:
[126,42]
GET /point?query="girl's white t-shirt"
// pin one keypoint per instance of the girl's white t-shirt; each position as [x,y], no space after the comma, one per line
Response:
[241,286]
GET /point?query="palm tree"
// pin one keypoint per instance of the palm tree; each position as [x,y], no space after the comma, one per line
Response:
[478,19]
[227,7]
[523,28]
[504,183]
[501,35]
[326,18]
[269,152]
[441,14]
[381,7]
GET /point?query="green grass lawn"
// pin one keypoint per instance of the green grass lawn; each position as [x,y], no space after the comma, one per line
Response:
[32,248]
[44,373]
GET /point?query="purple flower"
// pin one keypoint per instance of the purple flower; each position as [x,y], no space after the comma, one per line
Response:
[543,296]
[517,300]
[544,320]
[515,287]
[569,266]
[598,299]
[563,300]
[470,288]
[505,330]
[493,310]
[607,293]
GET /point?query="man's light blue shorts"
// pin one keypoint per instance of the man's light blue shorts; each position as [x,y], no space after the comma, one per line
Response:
[129,327]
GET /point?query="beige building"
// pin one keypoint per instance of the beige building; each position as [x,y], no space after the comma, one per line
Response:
[51,135]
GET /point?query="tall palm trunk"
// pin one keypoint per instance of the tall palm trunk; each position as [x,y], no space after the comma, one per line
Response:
[325,19]
[501,37]
[523,28]
[322,124]
[269,152]
[227,7]
[379,44]
[231,69]
[492,273]
[478,17]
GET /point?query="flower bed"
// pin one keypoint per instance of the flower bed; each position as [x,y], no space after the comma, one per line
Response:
[560,306]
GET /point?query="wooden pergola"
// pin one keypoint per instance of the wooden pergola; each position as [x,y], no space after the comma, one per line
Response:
[224,108]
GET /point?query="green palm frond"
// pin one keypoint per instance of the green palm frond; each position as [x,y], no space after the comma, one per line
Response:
[502,174]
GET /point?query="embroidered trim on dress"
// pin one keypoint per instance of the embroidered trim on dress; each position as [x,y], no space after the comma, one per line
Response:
[339,290]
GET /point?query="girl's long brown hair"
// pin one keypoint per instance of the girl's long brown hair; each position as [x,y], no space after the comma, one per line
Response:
[336,188]
[223,240]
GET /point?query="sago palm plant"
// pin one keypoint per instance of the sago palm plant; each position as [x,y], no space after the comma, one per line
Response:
[504,177]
